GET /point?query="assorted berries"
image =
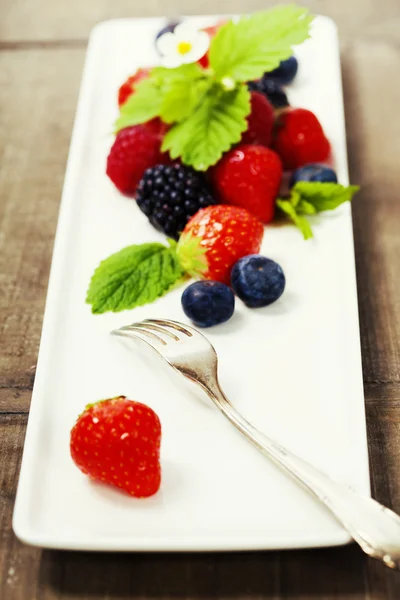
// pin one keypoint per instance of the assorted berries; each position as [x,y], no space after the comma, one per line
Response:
[313,172]
[117,441]
[208,303]
[170,194]
[258,280]
[300,139]
[134,150]
[249,176]
[215,238]
[217,216]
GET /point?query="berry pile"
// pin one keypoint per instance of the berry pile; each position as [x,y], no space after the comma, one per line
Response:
[203,151]
[210,175]
[170,194]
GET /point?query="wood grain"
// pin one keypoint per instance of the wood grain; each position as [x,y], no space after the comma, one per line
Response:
[39,20]
[41,56]
[36,116]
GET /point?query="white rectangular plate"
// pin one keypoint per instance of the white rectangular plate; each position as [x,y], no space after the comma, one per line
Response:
[293,368]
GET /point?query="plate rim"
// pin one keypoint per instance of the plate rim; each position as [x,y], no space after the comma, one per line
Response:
[21,524]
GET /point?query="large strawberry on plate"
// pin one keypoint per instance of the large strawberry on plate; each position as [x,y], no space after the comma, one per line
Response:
[215,238]
[117,442]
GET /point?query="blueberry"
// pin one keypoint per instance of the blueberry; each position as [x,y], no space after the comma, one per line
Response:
[313,172]
[286,71]
[169,28]
[271,89]
[208,303]
[257,280]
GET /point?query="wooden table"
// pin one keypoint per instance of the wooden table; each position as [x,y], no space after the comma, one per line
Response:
[42,48]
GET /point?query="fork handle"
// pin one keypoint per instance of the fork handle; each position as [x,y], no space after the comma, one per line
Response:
[374,527]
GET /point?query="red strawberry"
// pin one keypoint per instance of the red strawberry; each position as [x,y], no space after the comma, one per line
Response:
[215,238]
[300,139]
[260,120]
[117,441]
[212,31]
[134,150]
[129,86]
[249,176]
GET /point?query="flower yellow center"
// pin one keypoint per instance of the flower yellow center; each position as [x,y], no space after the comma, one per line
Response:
[184,47]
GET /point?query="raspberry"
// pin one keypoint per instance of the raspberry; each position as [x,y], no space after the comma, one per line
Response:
[135,149]
[170,194]
[260,121]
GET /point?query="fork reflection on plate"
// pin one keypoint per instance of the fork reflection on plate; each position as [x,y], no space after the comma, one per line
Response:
[374,527]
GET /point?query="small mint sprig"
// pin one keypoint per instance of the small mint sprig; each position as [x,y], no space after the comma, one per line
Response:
[207,108]
[136,275]
[312,197]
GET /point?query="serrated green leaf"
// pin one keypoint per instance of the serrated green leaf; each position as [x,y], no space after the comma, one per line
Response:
[244,50]
[134,276]
[311,197]
[187,72]
[216,125]
[325,196]
[180,99]
[169,93]
[301,222]
[143,105]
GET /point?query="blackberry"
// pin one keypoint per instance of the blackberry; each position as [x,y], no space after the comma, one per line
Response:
[271,89]
[286,71]
[170,194]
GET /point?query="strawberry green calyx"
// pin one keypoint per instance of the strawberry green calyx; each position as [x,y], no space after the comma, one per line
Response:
[192,256]
[93,404]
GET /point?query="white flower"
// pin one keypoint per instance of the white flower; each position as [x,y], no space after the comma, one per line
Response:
[185,45]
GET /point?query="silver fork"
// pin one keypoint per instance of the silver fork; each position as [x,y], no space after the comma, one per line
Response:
[374,527]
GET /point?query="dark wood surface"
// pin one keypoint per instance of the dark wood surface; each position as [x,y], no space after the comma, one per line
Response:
[42,48]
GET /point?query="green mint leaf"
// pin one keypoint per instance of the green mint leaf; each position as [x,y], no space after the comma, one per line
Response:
[325,196]
[301,222]
[134,276]
[212,129]
[304,207]
[169,93]
[311,197]
[257,43]
[143,105]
